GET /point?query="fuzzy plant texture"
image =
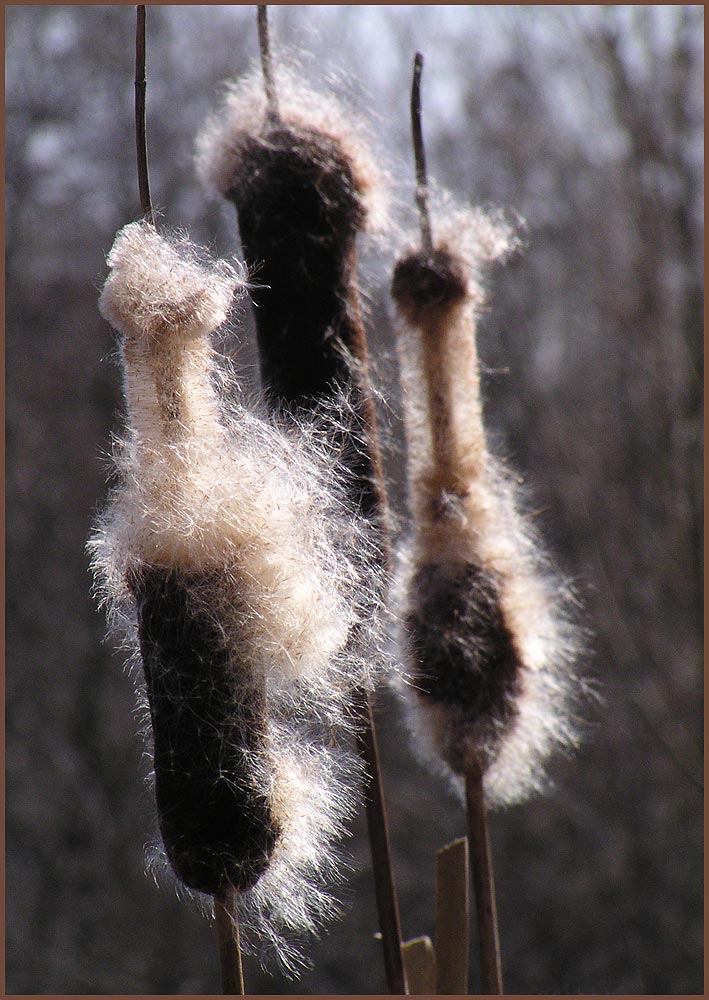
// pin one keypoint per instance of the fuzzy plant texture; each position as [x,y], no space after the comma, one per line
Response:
[231,566]
[304,183]
[485,621]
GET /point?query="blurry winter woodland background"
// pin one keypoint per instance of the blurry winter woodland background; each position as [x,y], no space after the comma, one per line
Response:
[586,121]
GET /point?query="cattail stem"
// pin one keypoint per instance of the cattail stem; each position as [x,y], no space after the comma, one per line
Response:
[378,829]
[377,824]
[483,880]
[227,920]
[140,130]
[373,503]
[420,157]
[264,43]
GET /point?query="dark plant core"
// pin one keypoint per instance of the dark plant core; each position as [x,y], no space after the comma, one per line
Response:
[299,211]
[463,653]
[208,728]
[424,282]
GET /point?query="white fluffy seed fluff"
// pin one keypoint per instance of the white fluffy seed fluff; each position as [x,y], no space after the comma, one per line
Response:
[207,486]
[466,512]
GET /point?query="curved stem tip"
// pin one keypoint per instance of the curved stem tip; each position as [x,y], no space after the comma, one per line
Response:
[140,129]
[420,157]
[264,43]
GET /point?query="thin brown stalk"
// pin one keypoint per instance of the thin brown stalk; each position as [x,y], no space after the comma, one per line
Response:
[377,823]
[378,829]
[483,880]
[227,920]
[140,129]
[264,44]
[420,157]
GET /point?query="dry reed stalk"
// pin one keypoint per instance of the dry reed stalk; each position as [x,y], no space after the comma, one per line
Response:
[420,964]
[487,628]
[152,638]
[377,825]
[225,907]
[420,158]
[264,43]
[452,918]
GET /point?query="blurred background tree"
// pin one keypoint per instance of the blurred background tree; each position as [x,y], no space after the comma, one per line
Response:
[588,123]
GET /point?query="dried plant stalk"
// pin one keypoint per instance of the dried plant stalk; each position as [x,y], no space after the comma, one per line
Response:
[225,906]
[420,965]
[452,936]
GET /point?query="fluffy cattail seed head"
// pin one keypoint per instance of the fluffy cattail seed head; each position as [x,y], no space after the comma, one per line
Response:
[321,132]
[303,186]
[234,566]
[164,287]
[424,282]
[484,619]
[210,729]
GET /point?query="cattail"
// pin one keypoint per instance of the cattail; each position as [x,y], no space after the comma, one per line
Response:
[488,637]
[301,174]
[235,567]
[304,183]
[484,625]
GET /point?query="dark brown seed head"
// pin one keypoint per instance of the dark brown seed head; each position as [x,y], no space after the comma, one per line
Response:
[424,283]
[209,730]
[299,212]
[301,200]
[464,659]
